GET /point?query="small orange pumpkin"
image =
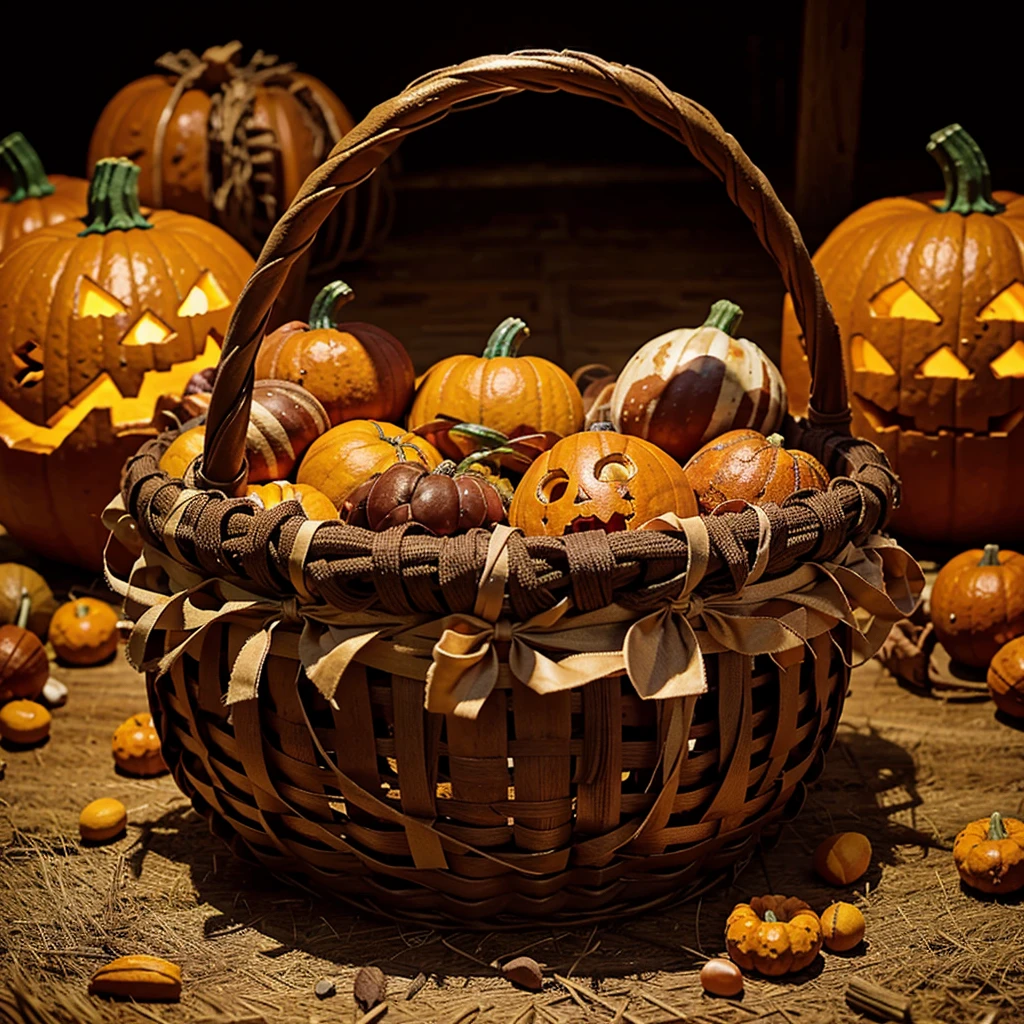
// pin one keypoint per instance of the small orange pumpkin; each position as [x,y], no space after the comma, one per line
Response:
[136,746]
[350,453]
[745,464]
[501,389]
[842,927]
[84,631]
[599,480]
[773,935]
[37,200]
[1006,678]
[989,854]
[24,667]
[315,504]
[843,858]
[358,371]
[977,604]
[24,722]
[14,579]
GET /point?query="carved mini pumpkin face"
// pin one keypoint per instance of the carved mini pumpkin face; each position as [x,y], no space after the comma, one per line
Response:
[930,303]
[599,480]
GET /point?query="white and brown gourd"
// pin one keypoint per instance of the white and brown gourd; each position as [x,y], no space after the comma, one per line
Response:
[690,385]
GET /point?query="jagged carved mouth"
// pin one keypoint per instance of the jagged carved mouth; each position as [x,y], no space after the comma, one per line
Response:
[613,524]
[884,420]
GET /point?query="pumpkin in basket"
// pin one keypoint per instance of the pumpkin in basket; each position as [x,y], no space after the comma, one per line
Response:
[500,389]
[35,199]
[773,935]
[977,604]
[599,480]
[688,386]
[314,504]
[351,453]
[747,465]
[1006,678]
[358,371]
[99,317]
[232,143]
[928,292]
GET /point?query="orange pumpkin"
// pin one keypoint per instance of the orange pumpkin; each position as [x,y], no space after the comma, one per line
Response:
[358,371]
[99,318]
[928,292]
[136,746]
[1006,678]
[599,480]
[284,419]
[501,389]
[84,631]
[16,578]
[977,604]
[843,858]
[24,667]
[232,143]
[745,464]
[989,854]
[315,504]
[24,723]
[773,935]
[351,453]
[35,200]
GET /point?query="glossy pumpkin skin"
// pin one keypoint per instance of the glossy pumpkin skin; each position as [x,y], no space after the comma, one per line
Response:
[955,435]
[773,935]
[13,579]
[977,604]
[24,667]
[989,854]
[599,480]
[356,370]
[35,200]
[687,387]
[314,504]
[24,722]
[94,329]
[1006,678]
[744,464]
[84,631]
[444,501]
[351,453]
[136,746]
[500,389]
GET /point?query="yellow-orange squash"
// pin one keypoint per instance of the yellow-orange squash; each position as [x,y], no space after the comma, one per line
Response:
[599,480]
[989,854]
[1006,678]
[351,453]
[35,199]
[84,631]
[842,927]
[358,371]
[99,318]
[977,604]
[928,292]
[773,935]
[315,504]
[24,722]
[843,858]
[500,389]
[136,746]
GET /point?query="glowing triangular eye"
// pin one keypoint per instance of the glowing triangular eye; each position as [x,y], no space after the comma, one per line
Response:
[148,330]
[205,296]
[944,364]
[1007,305]
[96,301]
[900,300]
[867,358]
[1010,363]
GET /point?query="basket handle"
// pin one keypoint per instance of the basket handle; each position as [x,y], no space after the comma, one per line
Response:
[475,83]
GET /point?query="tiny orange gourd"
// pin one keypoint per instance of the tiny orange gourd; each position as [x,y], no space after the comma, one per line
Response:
[842,858]
[136,746]
[720,977]
[989,854]
[103,819]
[314,503]
[84,631]
[1006,678]
[139,977]
[773,935]
[842,927]
[24,722]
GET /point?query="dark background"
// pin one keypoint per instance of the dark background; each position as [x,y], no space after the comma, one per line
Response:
[923,69]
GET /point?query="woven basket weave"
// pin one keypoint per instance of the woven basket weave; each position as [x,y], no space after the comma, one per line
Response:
[288,661]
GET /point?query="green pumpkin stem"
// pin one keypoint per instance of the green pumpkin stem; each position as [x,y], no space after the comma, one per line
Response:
[323,314]
[30,180]
[996,828]
[966,173]
[990,556]
[725,316]
[24,609]
[776,440]
[506,338]
[770,917]
[81,610]
[114,198]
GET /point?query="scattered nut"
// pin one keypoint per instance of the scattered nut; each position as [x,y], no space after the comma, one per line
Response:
[843,858]
[145,978]
[721,977]
[55,693]
[842,927]
[103,819]
[324,988]
[525,972]
[370,988]
[24,723]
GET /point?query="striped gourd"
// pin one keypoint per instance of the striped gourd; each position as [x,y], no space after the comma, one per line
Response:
[688,386]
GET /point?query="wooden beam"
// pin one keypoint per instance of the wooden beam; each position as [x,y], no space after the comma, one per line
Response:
[828,120]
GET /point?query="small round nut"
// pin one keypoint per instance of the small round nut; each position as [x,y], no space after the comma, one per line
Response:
[103,819]
[721,977]
[842,859]
[842,927]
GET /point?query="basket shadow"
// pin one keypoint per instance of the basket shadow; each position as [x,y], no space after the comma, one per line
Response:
[868,785]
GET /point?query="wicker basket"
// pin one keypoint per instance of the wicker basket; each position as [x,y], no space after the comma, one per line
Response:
[493,729]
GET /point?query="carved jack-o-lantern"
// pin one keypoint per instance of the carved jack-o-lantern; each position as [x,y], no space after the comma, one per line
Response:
[99,318]
[599,480]
[929,297]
